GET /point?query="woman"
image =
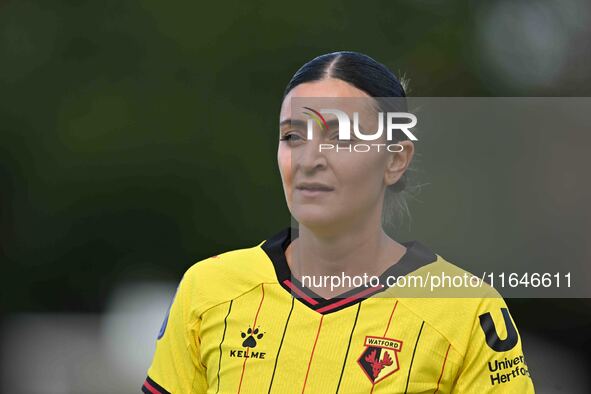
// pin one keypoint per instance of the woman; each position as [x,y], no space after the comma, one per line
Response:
[243,321]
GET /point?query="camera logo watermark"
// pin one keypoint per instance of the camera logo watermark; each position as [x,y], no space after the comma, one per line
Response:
[344,124]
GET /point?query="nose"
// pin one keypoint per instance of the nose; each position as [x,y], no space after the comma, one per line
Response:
[310,158]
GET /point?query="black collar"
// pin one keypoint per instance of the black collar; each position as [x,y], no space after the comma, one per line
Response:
[417,255]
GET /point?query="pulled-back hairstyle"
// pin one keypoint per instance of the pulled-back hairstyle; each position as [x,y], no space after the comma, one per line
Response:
[358,69]
[377,81]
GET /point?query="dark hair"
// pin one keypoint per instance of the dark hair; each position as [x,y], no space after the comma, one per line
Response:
[361,71]
[358,69]
[376,80]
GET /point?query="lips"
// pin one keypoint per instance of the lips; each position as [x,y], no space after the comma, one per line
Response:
[314,186]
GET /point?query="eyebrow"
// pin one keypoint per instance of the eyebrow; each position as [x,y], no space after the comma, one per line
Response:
[302,123]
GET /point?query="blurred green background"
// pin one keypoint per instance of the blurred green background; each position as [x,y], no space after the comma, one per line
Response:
[140,137]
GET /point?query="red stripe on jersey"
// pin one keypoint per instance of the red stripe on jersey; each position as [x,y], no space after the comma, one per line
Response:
[253,327]
[151,388]
[349,299]
[299,292]
[390,319]
[442,368]
[260,304]
[385,332]
[312,354]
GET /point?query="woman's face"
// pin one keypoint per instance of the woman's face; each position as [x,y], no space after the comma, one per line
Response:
[328,189]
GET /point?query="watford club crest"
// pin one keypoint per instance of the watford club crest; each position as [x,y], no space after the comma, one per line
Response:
[380,357]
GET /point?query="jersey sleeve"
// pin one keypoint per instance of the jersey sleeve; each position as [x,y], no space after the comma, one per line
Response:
[494,360]
[176,366]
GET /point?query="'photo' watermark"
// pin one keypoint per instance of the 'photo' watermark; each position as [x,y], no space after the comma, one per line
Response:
[493,189]
[428,281]
[350,125]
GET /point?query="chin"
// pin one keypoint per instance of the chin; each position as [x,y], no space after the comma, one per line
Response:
[314,217]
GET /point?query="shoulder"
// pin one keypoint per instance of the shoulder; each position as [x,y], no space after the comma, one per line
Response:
[451,300]
[223,277]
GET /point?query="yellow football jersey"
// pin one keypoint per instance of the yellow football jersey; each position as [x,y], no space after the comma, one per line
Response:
[240,323]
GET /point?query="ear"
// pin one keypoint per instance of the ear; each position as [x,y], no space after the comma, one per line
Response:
[398,162]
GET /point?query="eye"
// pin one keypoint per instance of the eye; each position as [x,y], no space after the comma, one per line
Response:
[291,138]
[341,142]
[336,136]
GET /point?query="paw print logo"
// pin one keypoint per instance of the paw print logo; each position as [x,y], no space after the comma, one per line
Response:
[251,337]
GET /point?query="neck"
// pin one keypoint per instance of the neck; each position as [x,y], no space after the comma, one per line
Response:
[355,250]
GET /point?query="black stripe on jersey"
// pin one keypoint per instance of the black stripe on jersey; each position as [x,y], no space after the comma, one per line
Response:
[151,387]
[222,341]
[417,255]
[281,344]
[413,357]
[348,346]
